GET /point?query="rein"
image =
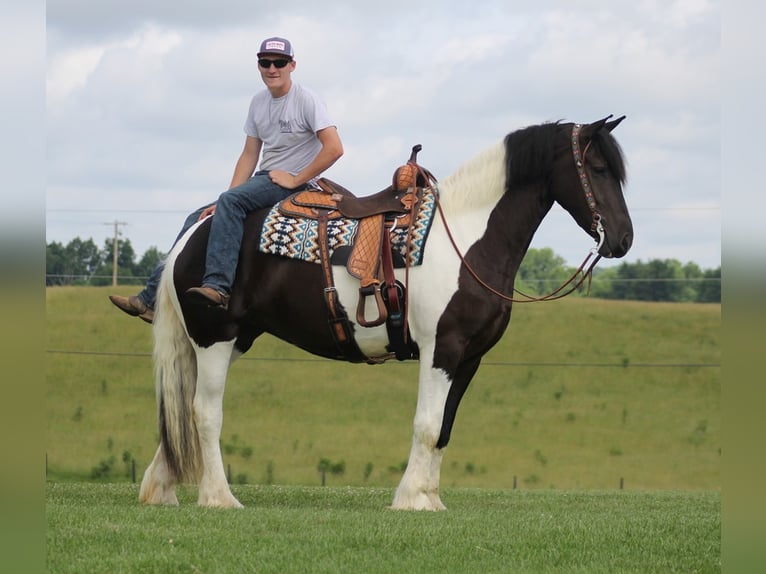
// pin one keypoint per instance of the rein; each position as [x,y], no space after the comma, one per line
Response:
[587,266]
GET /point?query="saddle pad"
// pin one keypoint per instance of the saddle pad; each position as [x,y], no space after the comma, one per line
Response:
[297,237]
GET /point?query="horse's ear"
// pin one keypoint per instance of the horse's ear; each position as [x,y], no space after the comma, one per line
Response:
[601,124]
[596,126]
[609,126]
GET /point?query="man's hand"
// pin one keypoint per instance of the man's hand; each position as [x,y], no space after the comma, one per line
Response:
[283,179]
[207,211]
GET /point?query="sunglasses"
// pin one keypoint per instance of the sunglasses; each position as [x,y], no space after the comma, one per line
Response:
[265,63]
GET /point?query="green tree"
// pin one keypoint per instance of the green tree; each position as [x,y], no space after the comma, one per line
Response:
[82,262]
[709,288]
[74,263]
[126,255]
[603,283]
[658,280]
[542,271]
[56,269]
[652,281]
[126,261]
[85,256]
[148,262]
[693,275]
[665,278]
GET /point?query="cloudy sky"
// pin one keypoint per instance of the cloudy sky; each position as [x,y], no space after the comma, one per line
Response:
[146,101]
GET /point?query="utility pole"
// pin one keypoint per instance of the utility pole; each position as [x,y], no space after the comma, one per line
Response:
[114,249]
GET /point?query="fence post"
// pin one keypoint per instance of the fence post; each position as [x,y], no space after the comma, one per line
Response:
[228,474]
[514,482]
[622,483]
[133,470]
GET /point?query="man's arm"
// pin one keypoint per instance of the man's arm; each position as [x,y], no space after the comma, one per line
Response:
[245,167]
[332,150]
[247,161]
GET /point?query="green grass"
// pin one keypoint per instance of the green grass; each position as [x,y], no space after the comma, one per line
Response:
[598,406]
[102,528]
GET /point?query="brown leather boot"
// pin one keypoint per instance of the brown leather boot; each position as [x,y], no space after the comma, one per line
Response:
[133,306]
[208,296]
[147,316]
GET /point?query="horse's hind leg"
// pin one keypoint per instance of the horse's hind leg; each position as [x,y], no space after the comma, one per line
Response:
[158,485]
[212,367]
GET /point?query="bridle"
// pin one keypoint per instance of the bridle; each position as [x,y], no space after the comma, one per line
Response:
[579,161]
[593,257]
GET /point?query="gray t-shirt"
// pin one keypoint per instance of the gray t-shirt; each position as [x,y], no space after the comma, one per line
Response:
[287,126]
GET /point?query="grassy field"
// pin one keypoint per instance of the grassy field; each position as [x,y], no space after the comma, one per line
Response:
[579,394]
[102,528]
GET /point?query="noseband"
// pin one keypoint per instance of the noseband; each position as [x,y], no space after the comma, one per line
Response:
[593,257]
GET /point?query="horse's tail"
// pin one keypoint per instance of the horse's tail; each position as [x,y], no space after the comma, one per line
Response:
[175,367]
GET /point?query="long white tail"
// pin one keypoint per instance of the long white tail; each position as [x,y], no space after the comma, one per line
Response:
[175,367]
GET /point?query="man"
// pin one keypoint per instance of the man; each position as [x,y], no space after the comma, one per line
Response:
[289,129]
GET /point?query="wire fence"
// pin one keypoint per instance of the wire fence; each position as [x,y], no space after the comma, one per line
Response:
[131,473]
[131,279]
[589,364]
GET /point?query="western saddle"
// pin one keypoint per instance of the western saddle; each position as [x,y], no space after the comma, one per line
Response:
[371,258]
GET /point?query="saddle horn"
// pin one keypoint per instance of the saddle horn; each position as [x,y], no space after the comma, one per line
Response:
[406,176]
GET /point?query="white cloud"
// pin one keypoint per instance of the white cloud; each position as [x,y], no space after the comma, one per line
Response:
[71,69]
[146,101]
[686,12]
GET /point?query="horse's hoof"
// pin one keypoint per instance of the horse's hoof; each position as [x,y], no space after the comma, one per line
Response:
[157,498]
[220,502]
[420,501]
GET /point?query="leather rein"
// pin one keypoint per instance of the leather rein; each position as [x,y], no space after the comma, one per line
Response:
[586,268]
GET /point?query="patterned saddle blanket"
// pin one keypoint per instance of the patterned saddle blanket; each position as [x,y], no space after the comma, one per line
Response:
[298,237]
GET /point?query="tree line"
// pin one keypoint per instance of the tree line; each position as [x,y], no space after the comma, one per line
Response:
[542,271]
[82,262]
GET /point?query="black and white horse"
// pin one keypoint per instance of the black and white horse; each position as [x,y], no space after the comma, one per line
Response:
[491,207]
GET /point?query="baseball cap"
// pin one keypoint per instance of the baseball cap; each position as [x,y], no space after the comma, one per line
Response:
[276,45]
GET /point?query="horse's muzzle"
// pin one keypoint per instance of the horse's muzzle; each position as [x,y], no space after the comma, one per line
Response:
[620,249]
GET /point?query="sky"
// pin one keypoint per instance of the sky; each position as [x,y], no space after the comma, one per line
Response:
[146,101]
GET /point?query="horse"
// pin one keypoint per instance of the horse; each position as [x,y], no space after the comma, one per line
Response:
[489,210]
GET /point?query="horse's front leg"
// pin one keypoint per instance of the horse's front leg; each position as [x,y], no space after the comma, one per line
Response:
[419,487]
[158,485]
[212,367]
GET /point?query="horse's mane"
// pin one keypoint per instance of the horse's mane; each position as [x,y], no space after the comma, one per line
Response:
[530,152]
[524,156]
[479,181]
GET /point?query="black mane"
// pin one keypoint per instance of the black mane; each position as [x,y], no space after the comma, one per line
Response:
[530,152]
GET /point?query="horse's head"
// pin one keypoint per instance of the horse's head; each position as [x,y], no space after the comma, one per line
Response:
[588,175]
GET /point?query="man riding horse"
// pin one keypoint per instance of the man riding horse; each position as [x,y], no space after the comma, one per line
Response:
[289,129]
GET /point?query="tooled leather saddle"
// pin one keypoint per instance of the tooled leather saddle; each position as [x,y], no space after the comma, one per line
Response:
[370,258]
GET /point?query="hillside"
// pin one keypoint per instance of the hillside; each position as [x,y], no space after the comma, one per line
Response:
[578,394]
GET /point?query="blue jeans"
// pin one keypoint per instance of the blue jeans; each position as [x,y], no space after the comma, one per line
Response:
[227,227]
[149,293]
[225,233]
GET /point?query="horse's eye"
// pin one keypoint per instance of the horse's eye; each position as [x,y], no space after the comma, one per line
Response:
[598,169]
